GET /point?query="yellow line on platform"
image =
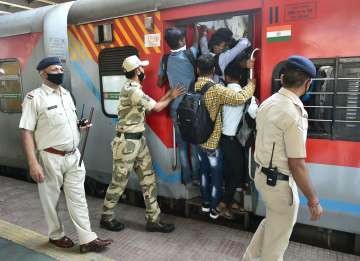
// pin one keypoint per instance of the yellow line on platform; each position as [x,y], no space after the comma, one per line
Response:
[39,243]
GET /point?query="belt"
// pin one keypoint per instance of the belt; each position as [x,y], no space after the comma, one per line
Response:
[130,136]
[58,152]
[280,176]
[228,137]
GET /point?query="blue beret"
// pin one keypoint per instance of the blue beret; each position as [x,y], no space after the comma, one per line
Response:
[47,62]
[302,63]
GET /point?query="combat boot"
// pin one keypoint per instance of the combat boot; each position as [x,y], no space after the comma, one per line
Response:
[112,225]
[159,227]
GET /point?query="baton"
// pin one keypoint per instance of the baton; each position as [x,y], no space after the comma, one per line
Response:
[86,136]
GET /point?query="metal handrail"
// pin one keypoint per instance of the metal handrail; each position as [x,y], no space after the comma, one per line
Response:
[174,160]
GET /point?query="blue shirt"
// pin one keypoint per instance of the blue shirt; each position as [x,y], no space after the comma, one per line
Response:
[179,71]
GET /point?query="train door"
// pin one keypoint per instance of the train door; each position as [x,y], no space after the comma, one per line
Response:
[241,24]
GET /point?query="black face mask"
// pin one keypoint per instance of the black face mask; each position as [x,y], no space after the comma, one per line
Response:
[55,78]
[141,76]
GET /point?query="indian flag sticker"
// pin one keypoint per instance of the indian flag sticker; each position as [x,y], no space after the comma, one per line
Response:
[278,33]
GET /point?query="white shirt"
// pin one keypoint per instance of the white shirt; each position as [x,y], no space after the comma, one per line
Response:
[233,114]
[51,115]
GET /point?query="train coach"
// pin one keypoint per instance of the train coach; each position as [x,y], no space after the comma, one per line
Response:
[92,38]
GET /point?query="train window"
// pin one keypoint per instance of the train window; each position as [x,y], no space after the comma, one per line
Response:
[332,101]
[103,33]
[347,100]
[10,87]
[112,76]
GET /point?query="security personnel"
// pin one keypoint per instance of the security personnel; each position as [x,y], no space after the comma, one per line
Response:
[130,150]
[280,154]
[49,125]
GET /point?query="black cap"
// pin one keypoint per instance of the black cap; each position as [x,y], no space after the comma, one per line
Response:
[302,63]
[47,62]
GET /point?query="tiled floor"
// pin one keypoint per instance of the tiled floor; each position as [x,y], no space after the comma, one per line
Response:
[192,239]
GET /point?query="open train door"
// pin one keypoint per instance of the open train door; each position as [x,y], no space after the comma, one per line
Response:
[243,18]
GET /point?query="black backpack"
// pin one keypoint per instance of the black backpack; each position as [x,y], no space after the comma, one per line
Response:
[165,60]
[246,131]
[193,118]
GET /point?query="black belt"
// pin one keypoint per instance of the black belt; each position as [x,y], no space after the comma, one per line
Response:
[131,136]
[280,176]
[229,137]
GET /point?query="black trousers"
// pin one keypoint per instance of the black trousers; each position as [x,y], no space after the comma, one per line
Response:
[234,166]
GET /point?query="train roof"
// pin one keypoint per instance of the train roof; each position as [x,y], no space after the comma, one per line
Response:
[23,22]
[83,11]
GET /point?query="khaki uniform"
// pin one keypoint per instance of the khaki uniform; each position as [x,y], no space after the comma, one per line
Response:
[51,115]
[131,153]
[281,119]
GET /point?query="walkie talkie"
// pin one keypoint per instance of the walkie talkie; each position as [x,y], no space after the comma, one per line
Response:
[271,172]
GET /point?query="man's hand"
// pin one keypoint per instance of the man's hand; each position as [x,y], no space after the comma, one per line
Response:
[36,172]
[84,124]
[315,212]
[250,63]
[177,91]
[315,209]
[252,81]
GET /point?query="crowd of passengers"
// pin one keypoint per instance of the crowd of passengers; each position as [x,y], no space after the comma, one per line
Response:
[218,165]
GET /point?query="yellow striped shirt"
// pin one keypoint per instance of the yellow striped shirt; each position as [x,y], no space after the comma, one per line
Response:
[217,96]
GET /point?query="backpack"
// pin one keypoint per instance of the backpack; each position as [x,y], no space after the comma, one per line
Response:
[246,131]
[165,60]
[193,117]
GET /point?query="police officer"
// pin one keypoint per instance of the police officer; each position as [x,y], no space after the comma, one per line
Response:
[49,128]
[280,154]
[130,150]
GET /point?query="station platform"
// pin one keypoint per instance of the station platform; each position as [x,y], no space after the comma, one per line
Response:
[23,234]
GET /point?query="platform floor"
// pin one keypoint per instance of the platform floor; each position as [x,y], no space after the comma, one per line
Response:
[22,223]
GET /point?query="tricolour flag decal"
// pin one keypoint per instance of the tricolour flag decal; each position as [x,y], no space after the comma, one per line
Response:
[278,33]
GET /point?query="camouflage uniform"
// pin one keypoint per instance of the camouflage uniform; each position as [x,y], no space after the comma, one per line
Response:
[132,153]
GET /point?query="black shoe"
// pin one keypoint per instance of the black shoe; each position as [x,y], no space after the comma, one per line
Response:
[160,227]
[112,225]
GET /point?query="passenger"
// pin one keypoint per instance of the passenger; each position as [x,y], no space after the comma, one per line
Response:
[49,125]
[203,42]
[130,150]
[225,49]
[280,154]
[179,68]
[209,153]
[2,72]
[233,151]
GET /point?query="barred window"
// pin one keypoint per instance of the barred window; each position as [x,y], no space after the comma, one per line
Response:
[10,87]
[112,76]
[333,99]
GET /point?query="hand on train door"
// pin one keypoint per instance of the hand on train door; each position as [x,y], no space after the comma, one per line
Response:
[36,172]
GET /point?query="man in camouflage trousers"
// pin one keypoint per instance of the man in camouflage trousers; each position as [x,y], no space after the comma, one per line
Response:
[130,150]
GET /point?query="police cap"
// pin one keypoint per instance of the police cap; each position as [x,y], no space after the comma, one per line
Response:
[302,63]
[47,62]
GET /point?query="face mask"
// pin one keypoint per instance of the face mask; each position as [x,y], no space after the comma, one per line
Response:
[141,76]
[306,96]
[55,78]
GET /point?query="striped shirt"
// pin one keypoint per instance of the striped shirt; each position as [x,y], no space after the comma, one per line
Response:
[217,96]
